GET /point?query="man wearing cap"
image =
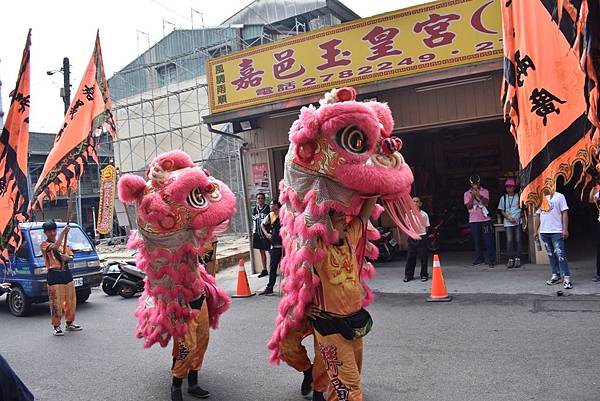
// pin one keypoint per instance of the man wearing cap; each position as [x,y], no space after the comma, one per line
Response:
[476,201]
[509,206]
[61,290]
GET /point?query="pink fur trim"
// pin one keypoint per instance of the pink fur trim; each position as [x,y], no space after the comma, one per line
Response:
[384,115]
[153,209]
[130,188]
[306,128]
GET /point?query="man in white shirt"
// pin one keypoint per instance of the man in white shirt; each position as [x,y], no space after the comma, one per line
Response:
[552,228]
[418,247]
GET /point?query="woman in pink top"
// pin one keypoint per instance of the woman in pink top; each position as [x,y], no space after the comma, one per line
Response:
[476,201]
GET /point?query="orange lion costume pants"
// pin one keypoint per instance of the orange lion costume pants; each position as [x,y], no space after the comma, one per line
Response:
[63,302]
[189,350]
[342,359]
[296,356]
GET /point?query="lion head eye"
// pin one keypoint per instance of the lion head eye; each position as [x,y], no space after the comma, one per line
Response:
[196,200]
[352,139]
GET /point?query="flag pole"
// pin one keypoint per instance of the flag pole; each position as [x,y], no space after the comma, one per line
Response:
[69,213]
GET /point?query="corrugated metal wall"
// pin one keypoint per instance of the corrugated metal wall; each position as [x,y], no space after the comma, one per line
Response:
[413,109]
[273,132]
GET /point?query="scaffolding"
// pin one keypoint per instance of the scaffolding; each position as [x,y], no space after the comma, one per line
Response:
[159,103]
[160,98]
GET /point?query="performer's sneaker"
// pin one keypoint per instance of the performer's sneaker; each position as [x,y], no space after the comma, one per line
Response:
[554,280]
[198,392]
[263,273]
[517,263]
[307,382]
[73,327]
[58,332]
[567,285]
[317,396]
[176,394]
[510,264]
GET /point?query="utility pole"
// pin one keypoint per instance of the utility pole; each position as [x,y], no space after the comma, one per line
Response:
[66,96]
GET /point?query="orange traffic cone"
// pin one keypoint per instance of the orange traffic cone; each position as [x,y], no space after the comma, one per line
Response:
[439,293]
[243,288]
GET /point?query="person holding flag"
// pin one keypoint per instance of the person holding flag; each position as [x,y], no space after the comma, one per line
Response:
[61,290]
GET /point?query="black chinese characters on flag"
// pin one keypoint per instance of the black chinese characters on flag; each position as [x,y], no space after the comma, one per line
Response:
[14,143]
[88,116]
[550,94]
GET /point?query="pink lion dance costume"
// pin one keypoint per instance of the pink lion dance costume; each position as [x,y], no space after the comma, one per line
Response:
[179,208]
[340,154]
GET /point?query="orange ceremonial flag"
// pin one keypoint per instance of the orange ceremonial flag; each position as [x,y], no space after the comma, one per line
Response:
[14,143]
[90,114]
[587,44]
[543,93]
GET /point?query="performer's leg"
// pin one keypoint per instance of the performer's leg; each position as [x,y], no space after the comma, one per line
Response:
[292,351]
[295,355]
[320,378]
[343,368]
[61,291]
[54,301]
[70,302]
[358,353]
[189,351]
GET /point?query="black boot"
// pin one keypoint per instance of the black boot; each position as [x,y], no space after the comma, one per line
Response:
[318,396]
[198,392]
[176,394]
[193,388]
[307,382]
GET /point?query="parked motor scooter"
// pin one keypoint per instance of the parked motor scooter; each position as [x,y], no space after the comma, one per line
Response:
[387,245]
[449,232]
[110,274]
[123,278]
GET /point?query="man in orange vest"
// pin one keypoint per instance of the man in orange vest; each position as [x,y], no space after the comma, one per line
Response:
[61,290]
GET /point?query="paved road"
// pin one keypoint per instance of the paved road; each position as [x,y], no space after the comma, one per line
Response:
[478,347]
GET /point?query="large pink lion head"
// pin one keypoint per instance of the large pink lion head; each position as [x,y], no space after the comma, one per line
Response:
[342,152]
[178,196]
[350,143]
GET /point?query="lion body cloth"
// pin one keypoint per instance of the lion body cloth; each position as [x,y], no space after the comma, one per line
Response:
[179,208]
[340,154]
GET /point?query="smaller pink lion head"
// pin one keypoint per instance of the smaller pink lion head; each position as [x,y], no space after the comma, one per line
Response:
[178,196]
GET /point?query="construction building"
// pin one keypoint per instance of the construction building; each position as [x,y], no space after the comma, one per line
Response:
[161,97]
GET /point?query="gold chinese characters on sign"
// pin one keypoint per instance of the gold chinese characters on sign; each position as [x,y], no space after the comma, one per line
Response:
[106,206]
[429,37]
